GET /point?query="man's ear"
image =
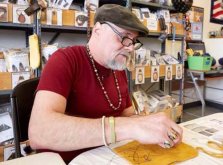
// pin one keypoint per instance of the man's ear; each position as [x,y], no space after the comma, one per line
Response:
[96,29]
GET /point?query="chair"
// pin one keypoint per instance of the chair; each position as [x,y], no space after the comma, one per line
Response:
[22,98]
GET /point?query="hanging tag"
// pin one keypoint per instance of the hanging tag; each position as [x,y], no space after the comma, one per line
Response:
[140,75]
[168,72]
[179,71]
[155,70]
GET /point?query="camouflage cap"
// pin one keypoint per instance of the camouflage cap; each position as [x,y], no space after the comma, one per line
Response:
[120,16]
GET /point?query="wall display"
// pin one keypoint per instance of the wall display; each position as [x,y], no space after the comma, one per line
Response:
[140,75]
[168,72]
[155,70]
[194,23]
[216,11]
[3,13]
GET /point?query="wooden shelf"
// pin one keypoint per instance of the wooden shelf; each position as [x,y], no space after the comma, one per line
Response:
[151,5]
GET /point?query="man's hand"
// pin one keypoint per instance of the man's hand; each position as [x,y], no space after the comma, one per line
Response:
[157,129]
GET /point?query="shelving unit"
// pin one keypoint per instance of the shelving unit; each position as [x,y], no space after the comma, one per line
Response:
[38,28]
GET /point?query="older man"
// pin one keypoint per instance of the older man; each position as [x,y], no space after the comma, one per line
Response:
[81,87]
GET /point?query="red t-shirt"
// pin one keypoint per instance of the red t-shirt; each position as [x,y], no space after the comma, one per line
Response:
[69,73]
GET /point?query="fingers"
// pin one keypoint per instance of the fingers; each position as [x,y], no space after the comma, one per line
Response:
[167,144]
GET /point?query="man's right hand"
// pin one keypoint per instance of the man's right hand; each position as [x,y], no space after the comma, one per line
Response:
[157,129]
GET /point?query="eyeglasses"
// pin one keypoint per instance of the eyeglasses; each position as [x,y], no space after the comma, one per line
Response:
[126,41]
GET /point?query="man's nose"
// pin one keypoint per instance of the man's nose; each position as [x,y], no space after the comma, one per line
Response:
[130,48]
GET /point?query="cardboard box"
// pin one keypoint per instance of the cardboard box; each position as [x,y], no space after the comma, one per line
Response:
[5,81]
[9,80]
[178,26]
[68,17]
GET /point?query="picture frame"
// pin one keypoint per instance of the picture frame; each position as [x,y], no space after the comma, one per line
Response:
[196,17]
[216,13]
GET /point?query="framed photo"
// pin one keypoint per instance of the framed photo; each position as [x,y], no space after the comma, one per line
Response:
[216,11]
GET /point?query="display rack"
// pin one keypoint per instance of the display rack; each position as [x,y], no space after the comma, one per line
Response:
[37,28]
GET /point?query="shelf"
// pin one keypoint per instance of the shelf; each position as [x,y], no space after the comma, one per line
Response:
[15,26]
[169,36]
[151,5]
[64,29]
[5,92]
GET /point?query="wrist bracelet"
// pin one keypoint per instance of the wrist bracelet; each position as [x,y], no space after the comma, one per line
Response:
[103,131]
[112,129]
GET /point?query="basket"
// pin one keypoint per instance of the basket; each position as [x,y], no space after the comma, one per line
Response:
[202,63]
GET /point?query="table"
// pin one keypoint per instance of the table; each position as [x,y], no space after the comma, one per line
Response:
[192,136]
[37,159]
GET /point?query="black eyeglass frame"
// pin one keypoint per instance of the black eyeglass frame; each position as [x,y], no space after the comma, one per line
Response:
[137,44]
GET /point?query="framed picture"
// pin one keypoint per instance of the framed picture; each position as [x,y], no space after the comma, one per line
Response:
[196,17]
[216,11]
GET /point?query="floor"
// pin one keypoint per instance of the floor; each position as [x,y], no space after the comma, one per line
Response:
[195,112]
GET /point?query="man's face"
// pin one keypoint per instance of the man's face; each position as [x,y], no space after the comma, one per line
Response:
[115,53]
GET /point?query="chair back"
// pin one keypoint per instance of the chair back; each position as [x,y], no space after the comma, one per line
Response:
[22,98]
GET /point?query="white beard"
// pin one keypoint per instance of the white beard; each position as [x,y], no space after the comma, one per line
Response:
[114,65]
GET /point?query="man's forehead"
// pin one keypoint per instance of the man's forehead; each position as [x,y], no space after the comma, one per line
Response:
[126,31]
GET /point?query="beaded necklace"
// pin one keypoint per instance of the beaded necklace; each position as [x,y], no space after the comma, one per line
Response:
[101,84]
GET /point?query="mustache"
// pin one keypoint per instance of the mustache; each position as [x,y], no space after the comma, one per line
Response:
[126,54]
